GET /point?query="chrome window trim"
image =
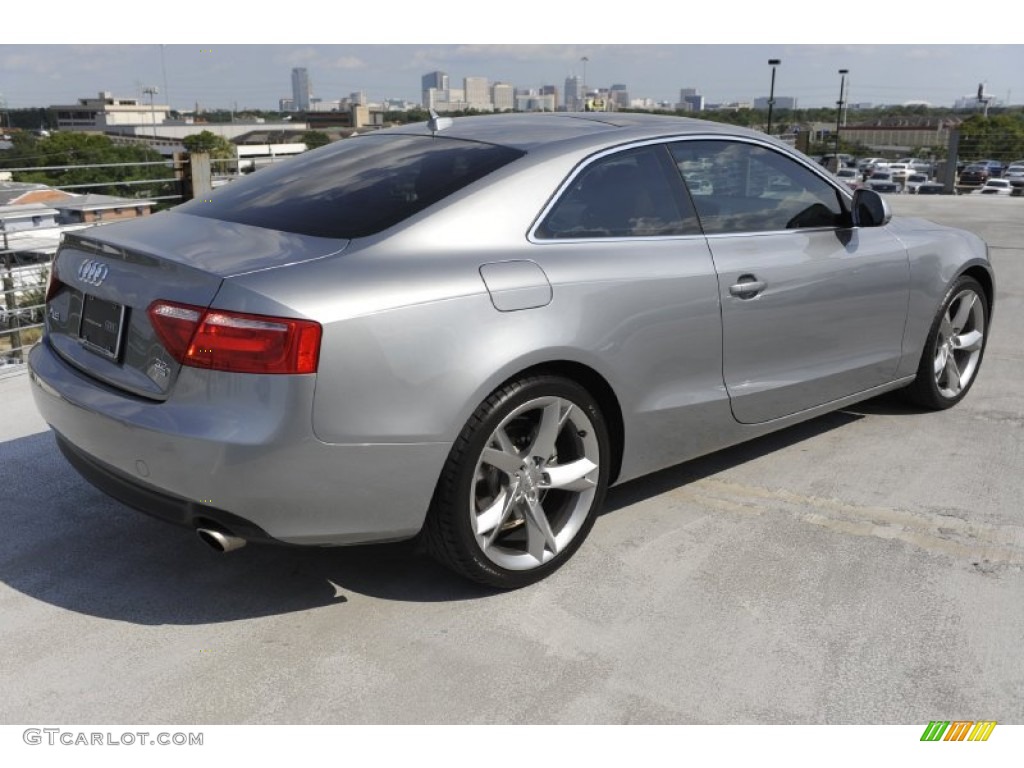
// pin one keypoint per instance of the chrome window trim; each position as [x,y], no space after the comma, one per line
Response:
[846,195]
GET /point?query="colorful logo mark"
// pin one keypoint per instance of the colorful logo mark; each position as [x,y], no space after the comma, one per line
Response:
[958,730]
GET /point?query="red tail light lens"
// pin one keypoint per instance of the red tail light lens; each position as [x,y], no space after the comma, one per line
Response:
[234,341]
[54,283]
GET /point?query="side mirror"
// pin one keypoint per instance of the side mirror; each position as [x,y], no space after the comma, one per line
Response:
[870,209]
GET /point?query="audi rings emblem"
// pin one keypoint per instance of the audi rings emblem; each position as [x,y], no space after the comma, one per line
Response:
[92,272]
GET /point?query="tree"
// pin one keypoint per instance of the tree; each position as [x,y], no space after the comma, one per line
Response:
[217,147]
[65,153]
[314,139]
[1000,137]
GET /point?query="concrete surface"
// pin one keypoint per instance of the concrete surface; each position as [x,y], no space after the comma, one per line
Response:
[865,567]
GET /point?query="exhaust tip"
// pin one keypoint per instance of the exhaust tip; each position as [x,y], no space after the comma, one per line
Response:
[219,540]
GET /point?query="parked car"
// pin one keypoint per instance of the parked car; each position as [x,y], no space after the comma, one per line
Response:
[467,330]
[883,181]
[994,168]
[973,175]
[931,188]
[995,187]
[914,182]
[899,172]
[1015,175]
[850,177]
[866,162]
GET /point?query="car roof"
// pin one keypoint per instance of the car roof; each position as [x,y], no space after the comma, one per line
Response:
[529,131]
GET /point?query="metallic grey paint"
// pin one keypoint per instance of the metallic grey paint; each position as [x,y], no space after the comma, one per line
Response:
[421,322]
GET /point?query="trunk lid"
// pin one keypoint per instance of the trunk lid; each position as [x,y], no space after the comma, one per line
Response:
[108,276]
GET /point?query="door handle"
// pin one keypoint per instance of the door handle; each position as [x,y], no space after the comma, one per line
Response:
[747,287]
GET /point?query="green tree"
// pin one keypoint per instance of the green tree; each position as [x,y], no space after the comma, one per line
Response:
[314,139]
[64,159]
[999,137]
[217,147]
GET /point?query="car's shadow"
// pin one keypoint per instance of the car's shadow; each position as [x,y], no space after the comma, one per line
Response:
[66,544]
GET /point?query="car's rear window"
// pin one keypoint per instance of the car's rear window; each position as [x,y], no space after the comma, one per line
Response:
[355,187]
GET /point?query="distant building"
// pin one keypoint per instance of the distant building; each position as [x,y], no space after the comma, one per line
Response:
[503,97]
[27,217]
[32,229]
[26,193]
[302,89]
[618,96]
[93,209]
[550,90]
[477,94]
[574,94]
[108,111]
[901,134]
[690,100]
[973,102]
[532,100]
[435,89]
[781,102]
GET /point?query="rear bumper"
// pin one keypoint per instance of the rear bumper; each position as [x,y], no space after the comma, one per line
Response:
[236,450]
[152,501]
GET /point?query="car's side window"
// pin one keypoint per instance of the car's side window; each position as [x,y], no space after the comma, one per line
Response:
[741,187]
[633,193]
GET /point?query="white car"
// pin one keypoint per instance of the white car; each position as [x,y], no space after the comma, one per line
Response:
[995,187]
[850,177]
[913,182]
[900,172]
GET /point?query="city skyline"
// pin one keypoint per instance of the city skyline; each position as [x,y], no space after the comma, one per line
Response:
[259,76]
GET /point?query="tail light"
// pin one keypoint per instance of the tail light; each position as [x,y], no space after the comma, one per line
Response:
[235,341]
[53,284]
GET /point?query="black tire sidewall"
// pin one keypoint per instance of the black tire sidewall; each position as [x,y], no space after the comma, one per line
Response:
[462,466]
[925,386]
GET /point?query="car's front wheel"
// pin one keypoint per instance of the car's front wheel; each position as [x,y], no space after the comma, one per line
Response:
[954,348]
[523,483]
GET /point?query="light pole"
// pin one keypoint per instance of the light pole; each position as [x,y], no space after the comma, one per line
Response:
[773,63]
[839,111]
[584,60]
[152,90]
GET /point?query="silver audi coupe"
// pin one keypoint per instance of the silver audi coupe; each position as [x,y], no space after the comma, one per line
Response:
[466,330]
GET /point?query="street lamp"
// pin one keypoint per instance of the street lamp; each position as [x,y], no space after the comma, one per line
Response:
[773,63]
[839,111]
[584,84]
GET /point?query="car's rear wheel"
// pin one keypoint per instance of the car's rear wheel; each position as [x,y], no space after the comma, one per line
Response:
[954,348]
[522,484]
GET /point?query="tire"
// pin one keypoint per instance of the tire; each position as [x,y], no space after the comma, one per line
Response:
[954,348]
[522,484]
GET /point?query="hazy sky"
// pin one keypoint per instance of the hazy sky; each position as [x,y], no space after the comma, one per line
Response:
[46,68]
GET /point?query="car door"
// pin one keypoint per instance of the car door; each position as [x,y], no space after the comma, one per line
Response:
[813,309]
[635,286]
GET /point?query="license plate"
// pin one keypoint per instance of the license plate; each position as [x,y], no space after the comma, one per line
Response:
[102,324]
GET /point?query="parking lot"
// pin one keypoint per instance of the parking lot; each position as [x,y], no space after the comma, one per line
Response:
[864,567]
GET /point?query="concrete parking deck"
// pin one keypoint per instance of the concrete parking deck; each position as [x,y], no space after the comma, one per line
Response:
[865,567]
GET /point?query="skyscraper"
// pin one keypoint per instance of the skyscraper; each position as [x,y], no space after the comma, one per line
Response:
[302,89]
[574,94]
[435,88]
[503,97]
[478,93]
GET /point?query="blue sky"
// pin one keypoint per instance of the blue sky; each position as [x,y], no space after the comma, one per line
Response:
[722,55]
